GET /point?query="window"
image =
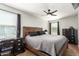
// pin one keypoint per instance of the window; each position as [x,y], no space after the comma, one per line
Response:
[54,28]
[8,25]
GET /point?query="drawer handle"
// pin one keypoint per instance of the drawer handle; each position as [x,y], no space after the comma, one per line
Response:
[19,49]
[18,40]
[11,41]
[19,44]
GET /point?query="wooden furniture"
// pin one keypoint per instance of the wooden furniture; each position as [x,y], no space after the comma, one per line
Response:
[18,46]
[6,47]
[11,47]
[26,30]
[71,34]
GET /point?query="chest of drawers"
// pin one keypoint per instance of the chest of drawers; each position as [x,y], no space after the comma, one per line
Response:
[11,47]
[18,46]
[71,34]
[6,47]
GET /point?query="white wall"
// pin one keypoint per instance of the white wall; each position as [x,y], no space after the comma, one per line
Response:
[68,21]
[27,19]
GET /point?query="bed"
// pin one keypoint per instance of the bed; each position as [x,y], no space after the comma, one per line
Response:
[49,44]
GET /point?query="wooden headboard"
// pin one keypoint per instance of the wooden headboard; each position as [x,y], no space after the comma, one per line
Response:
[26,30]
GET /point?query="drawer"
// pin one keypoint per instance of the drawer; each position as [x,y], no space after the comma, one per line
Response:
[20,46]
[7,45]
[73,38]
[1,43]
[11,41]
[6,49]
[7,42]
[72,34]
[19,49]
[7,53]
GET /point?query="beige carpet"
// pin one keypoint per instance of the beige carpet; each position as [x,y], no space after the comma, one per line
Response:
[72,50]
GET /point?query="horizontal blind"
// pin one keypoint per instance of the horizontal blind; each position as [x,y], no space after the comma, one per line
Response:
[8,25]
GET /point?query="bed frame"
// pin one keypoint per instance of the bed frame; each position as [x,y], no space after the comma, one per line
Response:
[26,30]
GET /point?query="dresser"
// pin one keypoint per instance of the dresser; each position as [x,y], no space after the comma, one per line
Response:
[71,34]
[6,47]
[11,47]
[18,46]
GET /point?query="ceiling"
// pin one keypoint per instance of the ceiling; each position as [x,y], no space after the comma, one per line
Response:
[64,9]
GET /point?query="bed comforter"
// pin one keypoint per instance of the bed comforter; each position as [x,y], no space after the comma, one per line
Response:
[50,44]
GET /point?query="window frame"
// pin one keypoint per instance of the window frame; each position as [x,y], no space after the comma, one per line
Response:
[18,32]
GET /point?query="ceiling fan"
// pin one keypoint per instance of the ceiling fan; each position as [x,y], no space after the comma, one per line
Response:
[49,12]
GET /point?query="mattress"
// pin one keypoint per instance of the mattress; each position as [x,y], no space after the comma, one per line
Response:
[50,44]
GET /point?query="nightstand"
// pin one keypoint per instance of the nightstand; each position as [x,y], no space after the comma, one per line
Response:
[18,46]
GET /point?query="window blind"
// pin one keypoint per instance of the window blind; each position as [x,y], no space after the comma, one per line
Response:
[8,25]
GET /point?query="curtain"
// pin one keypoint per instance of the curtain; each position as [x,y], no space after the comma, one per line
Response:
[58,29]
[49,28]
[18,25]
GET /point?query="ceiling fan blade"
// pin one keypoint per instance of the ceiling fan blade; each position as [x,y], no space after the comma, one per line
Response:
[45,12]
[54,11]
[75,5]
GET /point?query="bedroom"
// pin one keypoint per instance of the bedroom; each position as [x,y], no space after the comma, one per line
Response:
[33,18]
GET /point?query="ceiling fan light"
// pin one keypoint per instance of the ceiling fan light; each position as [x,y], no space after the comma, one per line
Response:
[48,15]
